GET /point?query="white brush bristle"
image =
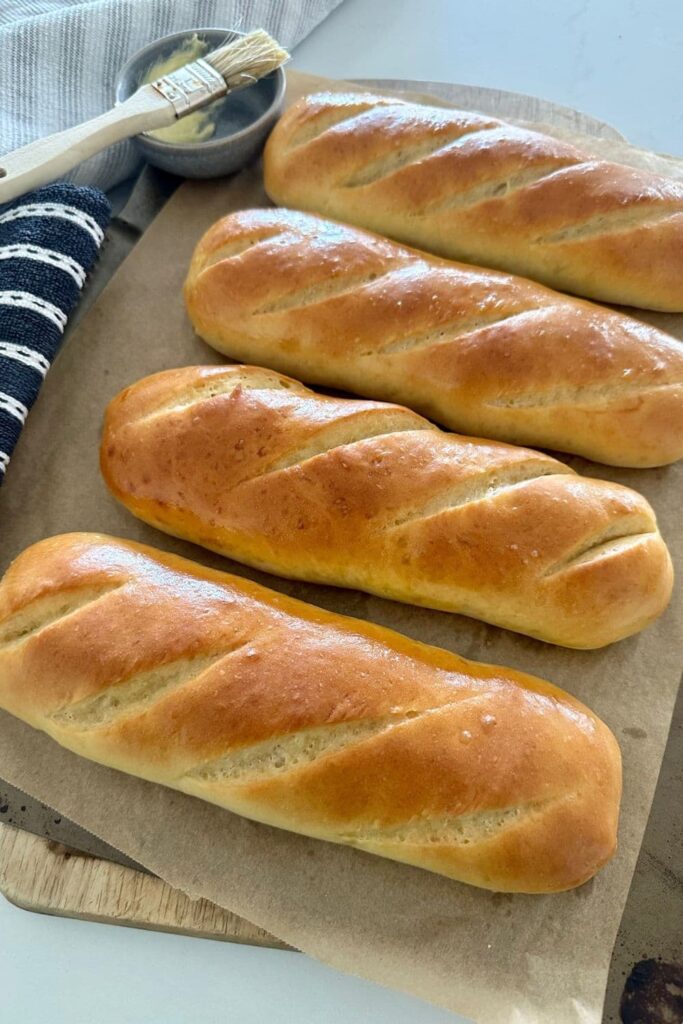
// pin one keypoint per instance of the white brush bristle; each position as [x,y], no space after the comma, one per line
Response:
[249,58]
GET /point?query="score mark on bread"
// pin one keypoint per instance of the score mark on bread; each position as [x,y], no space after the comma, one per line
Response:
[298,718]
[481,352]
[372,496]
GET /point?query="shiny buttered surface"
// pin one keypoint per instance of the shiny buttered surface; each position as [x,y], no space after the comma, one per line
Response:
[474,188]
[363,494]
[478,351]
[310,721]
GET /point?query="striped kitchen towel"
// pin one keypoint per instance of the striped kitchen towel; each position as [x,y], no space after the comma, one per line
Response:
[49,241]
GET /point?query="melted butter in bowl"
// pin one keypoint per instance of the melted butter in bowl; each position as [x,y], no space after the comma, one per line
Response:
[216,140]
[196,127]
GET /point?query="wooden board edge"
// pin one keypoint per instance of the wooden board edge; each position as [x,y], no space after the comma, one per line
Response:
[42,876]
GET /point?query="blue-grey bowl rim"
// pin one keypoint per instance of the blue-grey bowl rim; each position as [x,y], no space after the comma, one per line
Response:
[192,147]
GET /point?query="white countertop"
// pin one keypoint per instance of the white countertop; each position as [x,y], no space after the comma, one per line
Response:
[620,61]
[73,972]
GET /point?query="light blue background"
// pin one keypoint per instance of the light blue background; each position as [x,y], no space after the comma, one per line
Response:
[619,60]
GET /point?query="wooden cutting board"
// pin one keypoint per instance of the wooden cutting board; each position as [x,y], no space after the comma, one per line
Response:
[44,876]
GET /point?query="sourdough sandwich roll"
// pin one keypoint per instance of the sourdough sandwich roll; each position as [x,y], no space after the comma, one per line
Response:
[474,188]
[362,494]
[481,352]
[306,720]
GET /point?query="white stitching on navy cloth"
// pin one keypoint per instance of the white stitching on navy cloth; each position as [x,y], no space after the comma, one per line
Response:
[24,354]
[43,255]
[71,213]
[48,243]
[13,406]
[26,300]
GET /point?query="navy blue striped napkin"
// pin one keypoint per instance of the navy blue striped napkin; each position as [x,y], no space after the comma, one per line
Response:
[49,240]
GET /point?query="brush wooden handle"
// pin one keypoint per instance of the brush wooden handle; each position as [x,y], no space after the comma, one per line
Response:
[306,720]
[45,160]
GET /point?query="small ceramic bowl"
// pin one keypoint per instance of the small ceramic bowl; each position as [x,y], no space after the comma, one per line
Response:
[243,119]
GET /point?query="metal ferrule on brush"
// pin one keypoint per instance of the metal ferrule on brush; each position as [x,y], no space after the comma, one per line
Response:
[191,87]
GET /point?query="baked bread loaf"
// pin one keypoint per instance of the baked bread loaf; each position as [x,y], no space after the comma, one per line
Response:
[473,188]
[481,352]
[366,495]
[306,720]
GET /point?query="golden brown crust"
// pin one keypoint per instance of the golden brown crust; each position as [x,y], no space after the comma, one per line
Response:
[477,189]
[481,352]
[367,495]
[294,716]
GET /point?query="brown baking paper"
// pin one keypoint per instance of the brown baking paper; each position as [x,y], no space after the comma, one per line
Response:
[496,958]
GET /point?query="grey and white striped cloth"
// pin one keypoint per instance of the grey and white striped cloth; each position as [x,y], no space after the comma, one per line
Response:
[59,59]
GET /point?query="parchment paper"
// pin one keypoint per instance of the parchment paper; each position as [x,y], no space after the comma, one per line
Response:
[500,959]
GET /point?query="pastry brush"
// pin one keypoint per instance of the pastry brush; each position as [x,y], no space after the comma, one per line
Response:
[156,105]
